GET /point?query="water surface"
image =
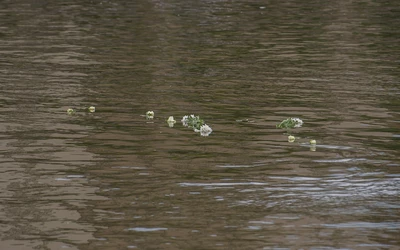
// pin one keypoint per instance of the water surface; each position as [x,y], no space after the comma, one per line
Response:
[116,180]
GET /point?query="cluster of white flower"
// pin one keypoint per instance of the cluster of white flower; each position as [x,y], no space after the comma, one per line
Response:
[290,123]
[297,122]
[196,124]
[185,120]
[205,130]
[190,121]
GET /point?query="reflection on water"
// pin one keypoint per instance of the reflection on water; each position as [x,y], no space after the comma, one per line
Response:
[114,180]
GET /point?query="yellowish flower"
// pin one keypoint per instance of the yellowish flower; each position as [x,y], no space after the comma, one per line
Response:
[171,121]
[291,138]
[92,109]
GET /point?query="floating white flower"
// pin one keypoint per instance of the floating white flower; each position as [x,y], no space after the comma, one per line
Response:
[70,111]
[171,121]
[92,109]
[185,121]
[150,114]
[313,142]
[205,130]
[298,122]
[197,124]
[291,138]
[191,121]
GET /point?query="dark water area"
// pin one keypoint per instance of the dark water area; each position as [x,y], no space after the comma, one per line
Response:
[113,179]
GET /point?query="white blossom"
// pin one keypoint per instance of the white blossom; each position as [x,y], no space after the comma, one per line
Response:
[185,120]
[298,122]
[205,130]
[150,114]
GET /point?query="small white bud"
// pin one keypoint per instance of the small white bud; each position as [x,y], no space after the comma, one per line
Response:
[150,114]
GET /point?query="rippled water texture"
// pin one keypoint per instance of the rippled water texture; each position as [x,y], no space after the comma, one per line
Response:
[113,179]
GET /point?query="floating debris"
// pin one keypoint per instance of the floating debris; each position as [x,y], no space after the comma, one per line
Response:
[192,121]
[290,123]
[197,124]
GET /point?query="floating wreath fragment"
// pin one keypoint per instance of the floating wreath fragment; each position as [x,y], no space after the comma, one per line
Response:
[192,121]
[197,124]
[290,123]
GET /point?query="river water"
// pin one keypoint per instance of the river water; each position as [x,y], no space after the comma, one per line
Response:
[113,179]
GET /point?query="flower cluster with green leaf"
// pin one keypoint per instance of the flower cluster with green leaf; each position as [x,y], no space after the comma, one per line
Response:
[192,121]
[197,124]
[290,123]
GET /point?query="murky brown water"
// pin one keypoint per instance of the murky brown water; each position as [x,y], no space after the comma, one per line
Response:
[115,180]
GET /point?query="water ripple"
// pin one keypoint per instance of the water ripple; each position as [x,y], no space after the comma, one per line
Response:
[341,160]
[147,229]
[384,225]
[188,184]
